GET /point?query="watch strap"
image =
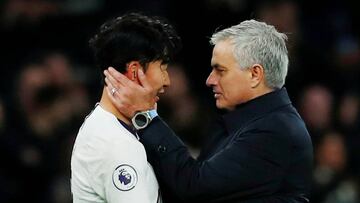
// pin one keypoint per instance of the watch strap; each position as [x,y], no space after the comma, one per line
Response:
[153,113]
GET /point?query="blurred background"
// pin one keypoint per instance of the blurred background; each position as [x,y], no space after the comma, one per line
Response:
[48,83]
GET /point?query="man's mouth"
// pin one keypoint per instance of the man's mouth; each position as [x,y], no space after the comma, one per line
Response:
[157,97]
[216,94]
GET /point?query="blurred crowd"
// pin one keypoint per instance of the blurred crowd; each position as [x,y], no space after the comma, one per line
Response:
[48,84]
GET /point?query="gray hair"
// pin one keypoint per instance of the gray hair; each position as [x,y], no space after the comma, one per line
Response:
[258,43]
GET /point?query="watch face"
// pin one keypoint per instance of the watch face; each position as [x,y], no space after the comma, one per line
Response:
[141,120]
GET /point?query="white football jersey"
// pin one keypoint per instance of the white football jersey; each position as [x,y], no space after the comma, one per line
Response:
[109,164]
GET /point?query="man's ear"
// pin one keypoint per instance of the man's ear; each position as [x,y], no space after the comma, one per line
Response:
[132,70]
[257,75]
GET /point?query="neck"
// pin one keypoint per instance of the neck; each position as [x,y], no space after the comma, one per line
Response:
[260,91]
[106,104]
[263,90]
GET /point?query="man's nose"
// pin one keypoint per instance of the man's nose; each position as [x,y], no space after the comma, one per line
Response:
[167,81]
[211,80]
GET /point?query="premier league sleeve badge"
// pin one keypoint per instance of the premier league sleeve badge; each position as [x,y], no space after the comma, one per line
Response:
[124,177]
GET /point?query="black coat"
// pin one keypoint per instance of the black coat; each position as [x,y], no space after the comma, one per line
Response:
[260,152]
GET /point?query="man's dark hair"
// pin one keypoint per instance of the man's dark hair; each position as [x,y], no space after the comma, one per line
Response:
[134,36]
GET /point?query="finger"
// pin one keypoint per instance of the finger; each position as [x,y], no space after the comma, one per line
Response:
[120,78]
[117,94]
[111,80]
[108,84]
[109,89]
[145,83]
[142,78]
[121,103]
[114,98]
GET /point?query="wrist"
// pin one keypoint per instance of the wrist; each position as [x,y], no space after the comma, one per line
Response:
[142,119]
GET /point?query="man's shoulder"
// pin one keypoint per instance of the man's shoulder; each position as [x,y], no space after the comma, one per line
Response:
[98,119]
[282,123]
[285,116]
[103,140]
[104,131]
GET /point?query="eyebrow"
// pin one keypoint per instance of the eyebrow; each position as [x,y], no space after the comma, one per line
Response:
[215,65]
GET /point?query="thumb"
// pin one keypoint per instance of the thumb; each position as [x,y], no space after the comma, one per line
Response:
[142,79]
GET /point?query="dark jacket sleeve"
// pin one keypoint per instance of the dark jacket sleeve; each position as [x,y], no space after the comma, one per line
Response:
[247,167]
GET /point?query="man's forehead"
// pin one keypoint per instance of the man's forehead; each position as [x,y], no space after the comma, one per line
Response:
[222,55]
[214,62]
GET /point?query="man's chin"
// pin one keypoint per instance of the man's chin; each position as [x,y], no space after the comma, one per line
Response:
[222,106]
[219,105]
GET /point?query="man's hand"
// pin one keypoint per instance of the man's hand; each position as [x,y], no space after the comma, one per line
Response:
[128,96]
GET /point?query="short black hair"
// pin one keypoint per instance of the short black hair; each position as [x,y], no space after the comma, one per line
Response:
[134,36]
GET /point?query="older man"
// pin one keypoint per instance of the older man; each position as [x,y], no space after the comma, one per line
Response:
[260,151]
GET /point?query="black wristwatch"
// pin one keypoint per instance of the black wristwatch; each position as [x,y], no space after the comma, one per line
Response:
[143,118]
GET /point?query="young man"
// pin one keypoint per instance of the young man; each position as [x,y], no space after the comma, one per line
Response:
[260,151]
[108,162]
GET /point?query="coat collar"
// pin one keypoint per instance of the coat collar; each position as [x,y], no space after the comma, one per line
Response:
[255,108]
